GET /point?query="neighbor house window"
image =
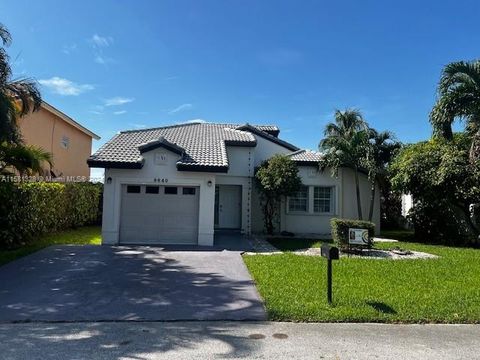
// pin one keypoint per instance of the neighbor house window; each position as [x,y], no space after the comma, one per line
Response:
[299,201]
[323,199]
[171,190]
[65,142]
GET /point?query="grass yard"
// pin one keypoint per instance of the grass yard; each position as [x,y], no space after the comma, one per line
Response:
[87,235]
[444,290]
[401,235]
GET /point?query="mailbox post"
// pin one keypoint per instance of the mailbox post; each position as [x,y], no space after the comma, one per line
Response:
[330,253]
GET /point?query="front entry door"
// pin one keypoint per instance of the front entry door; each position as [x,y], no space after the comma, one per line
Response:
[228,206]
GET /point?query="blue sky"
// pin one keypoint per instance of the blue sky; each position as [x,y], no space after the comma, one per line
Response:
[115,65]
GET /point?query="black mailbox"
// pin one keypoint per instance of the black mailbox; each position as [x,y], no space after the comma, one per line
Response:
[329,252]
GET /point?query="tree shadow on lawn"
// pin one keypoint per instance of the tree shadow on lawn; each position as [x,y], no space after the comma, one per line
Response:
[382,307]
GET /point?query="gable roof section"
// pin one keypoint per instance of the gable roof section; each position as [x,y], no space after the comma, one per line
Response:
[306,157]
[257,131]
[202,147]
[161,142]
[269,129]
[68,120]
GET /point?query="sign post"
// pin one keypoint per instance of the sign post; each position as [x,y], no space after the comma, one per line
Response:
[330,253]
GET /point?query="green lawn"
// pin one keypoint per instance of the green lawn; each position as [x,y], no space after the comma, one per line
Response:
[88,235]
[444,290]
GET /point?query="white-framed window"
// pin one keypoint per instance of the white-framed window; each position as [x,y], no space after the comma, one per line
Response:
[323,199]
[299,201]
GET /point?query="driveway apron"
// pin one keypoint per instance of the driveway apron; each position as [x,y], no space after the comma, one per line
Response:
[101,283]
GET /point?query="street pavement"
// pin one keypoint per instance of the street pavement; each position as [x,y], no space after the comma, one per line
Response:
[236,340]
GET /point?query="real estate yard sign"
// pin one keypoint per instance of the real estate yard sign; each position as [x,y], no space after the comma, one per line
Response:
[358,236]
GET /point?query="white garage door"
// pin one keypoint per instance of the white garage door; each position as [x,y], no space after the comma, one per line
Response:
[159,214]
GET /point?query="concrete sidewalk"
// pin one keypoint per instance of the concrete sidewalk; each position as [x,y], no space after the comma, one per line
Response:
[236,340]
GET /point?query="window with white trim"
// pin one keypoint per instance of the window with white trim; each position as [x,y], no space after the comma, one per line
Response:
[299,201]
[323,199]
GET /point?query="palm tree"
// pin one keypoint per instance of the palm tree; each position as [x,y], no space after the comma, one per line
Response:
[25,159]
[459,98]
[382,148]
[345,145]
[17,97]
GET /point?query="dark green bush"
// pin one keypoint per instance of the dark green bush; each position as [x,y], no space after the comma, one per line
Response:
[31,209]
[340,230]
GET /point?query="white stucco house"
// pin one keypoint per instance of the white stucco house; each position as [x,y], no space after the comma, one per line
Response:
[180,184]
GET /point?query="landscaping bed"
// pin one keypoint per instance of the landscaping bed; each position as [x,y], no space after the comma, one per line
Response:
[441,290]
[293,244]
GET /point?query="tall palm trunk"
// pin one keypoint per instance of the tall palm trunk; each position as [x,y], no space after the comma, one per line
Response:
[372,200]
[357,188]
[475,148]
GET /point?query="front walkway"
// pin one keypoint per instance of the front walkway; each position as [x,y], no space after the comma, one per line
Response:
[102,283]
[234,340]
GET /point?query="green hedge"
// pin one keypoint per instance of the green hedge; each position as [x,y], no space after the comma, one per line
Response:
[340,230]
[31,209]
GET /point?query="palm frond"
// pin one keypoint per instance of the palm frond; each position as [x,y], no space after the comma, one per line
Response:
[25,94]
[5,35]
[9,131]
[459,72]
[458,98]
[26,159]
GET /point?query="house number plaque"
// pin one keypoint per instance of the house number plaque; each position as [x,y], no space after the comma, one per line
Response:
[161,180]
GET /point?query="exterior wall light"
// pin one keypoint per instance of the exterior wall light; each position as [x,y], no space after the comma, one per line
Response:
[209,183]
[109,180]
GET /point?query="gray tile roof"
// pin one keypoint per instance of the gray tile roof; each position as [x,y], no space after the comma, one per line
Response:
[203,145]
[306,156]
[269,129]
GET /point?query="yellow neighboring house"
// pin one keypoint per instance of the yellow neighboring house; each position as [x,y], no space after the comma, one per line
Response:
[69,142]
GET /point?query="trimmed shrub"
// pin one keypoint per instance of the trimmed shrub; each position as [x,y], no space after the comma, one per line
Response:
[31,209]
[340,230]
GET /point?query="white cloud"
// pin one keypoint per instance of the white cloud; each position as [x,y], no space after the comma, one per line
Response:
[119,112]
[100,59]
[138,126]
[98,43]
[117,100]
[68,49]
[64,86]
[180,108]
[101,41]
[196,121]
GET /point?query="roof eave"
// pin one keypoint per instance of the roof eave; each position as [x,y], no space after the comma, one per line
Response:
[267,136]
[69,120]
[161,143]
[115,164]
[202,168]
[239,143]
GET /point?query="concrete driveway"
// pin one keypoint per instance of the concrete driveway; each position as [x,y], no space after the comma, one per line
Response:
[100,283]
